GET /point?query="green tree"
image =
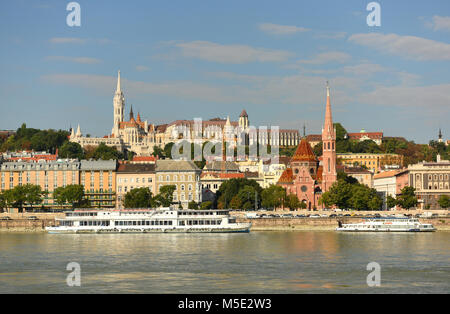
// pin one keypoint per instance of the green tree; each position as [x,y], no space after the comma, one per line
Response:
[138,198]
[2,202]
[236,202]
[23,196]
[206,205]
[292,202]
[71,150]
[407,198]
[444,201]
[158,152]
[165,196]
[104,152]
[273,196]
[168,150]
[390,202]
[231,188]
[192,205]
[72,194]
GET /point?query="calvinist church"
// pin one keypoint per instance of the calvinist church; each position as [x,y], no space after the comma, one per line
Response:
[305,176]
[141,136]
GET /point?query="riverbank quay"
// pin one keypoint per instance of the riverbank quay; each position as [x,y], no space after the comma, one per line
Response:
[322,223]
[36,222]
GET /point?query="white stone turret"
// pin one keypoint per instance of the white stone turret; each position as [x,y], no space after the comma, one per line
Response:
[78,134]
[119,107]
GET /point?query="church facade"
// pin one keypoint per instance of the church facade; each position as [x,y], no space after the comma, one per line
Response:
[306,176]
[139,136]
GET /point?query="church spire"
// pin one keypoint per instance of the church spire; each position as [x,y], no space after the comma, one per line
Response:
[118,83]
[131,113]
[328,129]
[329,175]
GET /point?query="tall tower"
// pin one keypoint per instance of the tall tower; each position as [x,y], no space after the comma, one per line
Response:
[329,175]
[440,140]
[119,107]
[243,125]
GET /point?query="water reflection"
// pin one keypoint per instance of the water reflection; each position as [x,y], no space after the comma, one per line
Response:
[277,262]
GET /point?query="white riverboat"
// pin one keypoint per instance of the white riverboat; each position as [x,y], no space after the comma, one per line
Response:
[387,225]
[161,220]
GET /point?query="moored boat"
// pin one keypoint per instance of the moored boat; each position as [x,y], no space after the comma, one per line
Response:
[387,225]
[161,220]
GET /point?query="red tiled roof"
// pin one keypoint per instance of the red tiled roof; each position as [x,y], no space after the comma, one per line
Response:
[286,177]
[386,174]
[144,158]
[371,135]
[304,152]
[314,137]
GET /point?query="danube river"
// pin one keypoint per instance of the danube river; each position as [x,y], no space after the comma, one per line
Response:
[258,262]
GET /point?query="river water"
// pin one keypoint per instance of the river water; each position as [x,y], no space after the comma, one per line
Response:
[258,262]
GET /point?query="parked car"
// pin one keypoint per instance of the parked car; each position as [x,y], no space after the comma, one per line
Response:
[5,218]
[314,216]
[32,218]
[332,215]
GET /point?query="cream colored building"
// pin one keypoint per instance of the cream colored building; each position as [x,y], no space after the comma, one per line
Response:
[373,162]
[185,175]
[99,180]
[431,180]
[363,176]
[131,176]
[49,175]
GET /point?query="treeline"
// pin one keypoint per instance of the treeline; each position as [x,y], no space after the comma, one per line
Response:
[34,139]
[30,197]
[51,141]
[412,152]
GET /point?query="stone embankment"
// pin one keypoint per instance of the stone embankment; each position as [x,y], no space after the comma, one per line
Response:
[21,222]
[322,223]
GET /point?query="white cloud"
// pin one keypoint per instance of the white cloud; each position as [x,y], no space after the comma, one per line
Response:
[411,47]
[142,68]
[67,40]
[276,29]
[331,35]
[76,40]
[441,23]
[326,57]
[363,69]
[230,53]
[82,60]
[425,97]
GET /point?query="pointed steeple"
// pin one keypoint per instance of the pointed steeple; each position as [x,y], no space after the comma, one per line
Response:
[78,134]
[328,129]
[118,83]
[131,113]
[138,119]
[72,132]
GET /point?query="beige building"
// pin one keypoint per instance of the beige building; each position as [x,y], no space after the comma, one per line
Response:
[49,175]
[99,180]
[363,176]
[373,162]
[131,176]
[431,180]
[185,175]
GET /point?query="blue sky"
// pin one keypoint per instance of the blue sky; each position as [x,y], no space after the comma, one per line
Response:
[189,59]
